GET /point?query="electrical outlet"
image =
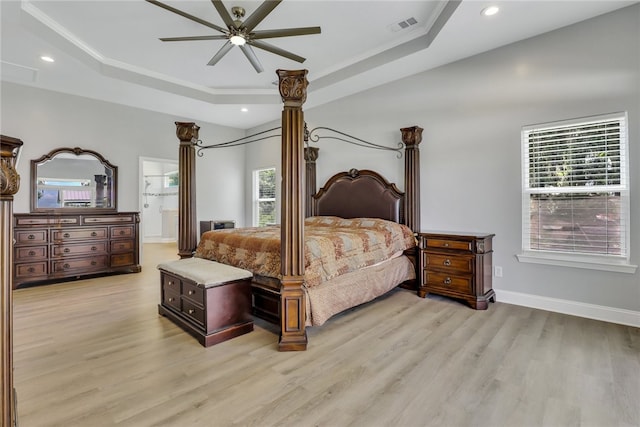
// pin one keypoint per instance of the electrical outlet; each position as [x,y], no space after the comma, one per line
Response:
[497,271]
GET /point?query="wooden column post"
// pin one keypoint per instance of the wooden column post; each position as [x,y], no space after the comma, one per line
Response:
[293,90]
[411,137]
[310,157]
[9,185]
[187,133]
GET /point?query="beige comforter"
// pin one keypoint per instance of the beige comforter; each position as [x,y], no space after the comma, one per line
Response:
[333,246]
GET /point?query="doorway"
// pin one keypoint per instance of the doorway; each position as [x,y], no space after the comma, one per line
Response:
[158,200]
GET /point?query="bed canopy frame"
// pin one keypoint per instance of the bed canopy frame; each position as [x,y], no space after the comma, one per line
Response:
[297,194]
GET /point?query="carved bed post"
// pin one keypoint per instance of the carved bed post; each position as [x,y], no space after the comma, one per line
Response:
[293,90]
[310,157]
[187,133]
[411,137]
[9,185]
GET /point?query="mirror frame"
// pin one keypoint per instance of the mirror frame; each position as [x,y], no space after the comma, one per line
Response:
[77,151]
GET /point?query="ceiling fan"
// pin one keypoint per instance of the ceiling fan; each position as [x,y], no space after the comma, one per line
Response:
[241,33]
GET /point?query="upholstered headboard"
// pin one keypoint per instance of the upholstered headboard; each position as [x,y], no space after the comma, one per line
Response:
[359,194]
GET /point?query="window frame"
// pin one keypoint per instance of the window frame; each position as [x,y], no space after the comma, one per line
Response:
[256,196]
[610,262]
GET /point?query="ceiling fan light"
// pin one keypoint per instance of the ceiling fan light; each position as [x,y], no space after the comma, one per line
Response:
[237,40]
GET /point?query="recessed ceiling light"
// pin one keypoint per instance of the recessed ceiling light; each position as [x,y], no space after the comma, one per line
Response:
[244,109]
[47,59]
[489,11]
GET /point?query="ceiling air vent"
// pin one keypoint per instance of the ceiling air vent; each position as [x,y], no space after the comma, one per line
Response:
[402,25]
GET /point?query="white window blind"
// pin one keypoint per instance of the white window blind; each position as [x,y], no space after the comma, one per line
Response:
[265,197]
[575,187]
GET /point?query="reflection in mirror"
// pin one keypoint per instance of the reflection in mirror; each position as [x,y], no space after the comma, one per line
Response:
[71,179]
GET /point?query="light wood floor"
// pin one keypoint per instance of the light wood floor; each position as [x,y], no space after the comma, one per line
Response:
[96,353]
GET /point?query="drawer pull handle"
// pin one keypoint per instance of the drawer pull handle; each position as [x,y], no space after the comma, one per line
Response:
[192,292]
[170,283]
[191,311]
[447,281]
[446,245]
[122,232]
[31,237]
[65,265]
[31,270]
[94,234]
[93,263]
[93,248]
[67,250]
[447,262]
[32,253]
[66,235]
[171,299]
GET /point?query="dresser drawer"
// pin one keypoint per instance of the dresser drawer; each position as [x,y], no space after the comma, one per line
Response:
[193,311]
[124,232]
[458,245]
[122,246]
[455,264]
[29,237]
[30,269]
[448,282]
[92,263]
[30,253]
[79,234]
[119,260]
[192,292]
[21,221]
[79,249]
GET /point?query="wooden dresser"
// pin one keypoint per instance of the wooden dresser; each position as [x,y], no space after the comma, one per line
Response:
[51,247]
[457,265]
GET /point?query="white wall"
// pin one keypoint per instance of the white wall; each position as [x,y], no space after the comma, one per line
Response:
[45,120]
[472,112]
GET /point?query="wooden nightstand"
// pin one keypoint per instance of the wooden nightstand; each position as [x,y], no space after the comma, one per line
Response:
[457,265]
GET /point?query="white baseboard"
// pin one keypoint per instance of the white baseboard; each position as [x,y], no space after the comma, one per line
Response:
[590,311]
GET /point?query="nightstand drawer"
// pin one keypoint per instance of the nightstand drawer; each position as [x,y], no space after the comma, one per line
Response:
[448,282]
[456,264]
[457,245]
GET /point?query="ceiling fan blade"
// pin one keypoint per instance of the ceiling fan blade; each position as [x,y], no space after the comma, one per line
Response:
[271,48]
[251,56]
[224,13]
[182,39]
[259,14]
[222,52]
[285,32]
[188,16]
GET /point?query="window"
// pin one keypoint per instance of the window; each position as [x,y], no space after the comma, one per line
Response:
[575,200]
[264,189]
[171,179]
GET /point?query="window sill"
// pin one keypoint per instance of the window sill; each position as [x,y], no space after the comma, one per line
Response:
[578,261]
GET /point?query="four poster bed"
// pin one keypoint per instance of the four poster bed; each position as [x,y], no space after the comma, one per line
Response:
[345,244]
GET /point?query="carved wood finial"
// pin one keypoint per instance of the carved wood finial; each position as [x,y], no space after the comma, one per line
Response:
[187,131]
[9,178]
[311,154]
[411,136]
[293,87]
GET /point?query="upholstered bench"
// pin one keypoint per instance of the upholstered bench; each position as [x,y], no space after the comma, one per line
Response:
[211,301]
